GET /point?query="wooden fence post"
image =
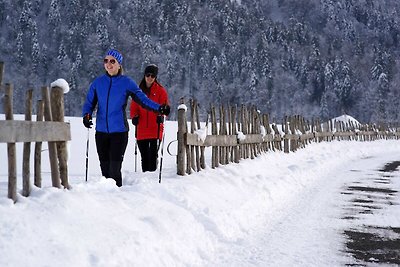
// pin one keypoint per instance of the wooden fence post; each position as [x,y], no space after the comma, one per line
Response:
[267,145]
[1,77]
[214,131]
[243,122]
[252,130]
[239,126]
[55,174]
[222,131]
[303,129]
[57,109]
[38,148]
[285,125]
[182,130]
[11,151]
[1,73]
[202,148]
[196,121]
[292,128]
[193,158]
[234,130]
[26,186]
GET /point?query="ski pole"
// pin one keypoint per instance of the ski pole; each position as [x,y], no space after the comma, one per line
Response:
[87,154]
[135,148]
[162,152]
[160,119]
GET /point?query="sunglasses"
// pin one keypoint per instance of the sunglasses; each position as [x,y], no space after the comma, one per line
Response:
[112,61]
[150,75]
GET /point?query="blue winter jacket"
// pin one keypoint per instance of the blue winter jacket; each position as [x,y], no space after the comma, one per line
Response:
[110,94]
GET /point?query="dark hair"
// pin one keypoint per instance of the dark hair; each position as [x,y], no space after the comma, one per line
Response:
[152,68]
[143,86]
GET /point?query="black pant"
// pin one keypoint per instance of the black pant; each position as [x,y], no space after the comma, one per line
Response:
[111,149]
[149,152]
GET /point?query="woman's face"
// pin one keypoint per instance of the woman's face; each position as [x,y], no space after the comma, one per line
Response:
[150,78]
[111,65]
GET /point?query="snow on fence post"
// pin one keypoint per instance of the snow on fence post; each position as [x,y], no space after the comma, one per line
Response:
[182,131]
[55,174]
[57,110]
[26,187]
[38,148]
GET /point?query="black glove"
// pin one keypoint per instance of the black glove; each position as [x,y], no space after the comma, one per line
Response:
[135,120]
[160,119]
[87,121]
[164,110]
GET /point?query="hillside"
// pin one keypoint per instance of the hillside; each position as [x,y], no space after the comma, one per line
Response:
[278,209]
[310,57]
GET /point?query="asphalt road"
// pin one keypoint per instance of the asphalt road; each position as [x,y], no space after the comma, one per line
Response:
[369,197]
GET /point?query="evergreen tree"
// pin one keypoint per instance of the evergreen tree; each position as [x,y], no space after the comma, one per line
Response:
[383,90]
[313,53]
[20,48]
[54,17]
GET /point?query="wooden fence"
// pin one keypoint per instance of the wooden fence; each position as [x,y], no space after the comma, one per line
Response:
[53,130]
[243,132]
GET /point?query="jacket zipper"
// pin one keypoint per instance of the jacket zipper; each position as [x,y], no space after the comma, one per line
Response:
[108,98]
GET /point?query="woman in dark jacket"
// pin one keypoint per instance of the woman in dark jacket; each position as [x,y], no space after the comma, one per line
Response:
[110,93]
[149,126]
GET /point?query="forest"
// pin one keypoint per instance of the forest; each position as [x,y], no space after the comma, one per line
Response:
[315,58]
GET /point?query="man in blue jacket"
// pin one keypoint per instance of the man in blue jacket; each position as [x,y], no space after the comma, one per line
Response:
[110,93]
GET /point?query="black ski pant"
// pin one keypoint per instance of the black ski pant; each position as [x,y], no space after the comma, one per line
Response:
[111,149]
[149,152]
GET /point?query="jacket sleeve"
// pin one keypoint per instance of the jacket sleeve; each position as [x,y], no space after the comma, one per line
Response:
[141,98]
[90,102]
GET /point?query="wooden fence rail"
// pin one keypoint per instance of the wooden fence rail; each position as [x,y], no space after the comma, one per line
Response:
[53,130]
[245,133]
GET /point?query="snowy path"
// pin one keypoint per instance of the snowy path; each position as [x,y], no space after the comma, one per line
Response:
[307,231]
[275,210]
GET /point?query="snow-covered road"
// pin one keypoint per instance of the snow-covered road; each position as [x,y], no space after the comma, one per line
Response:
[309,229]
[276,210]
